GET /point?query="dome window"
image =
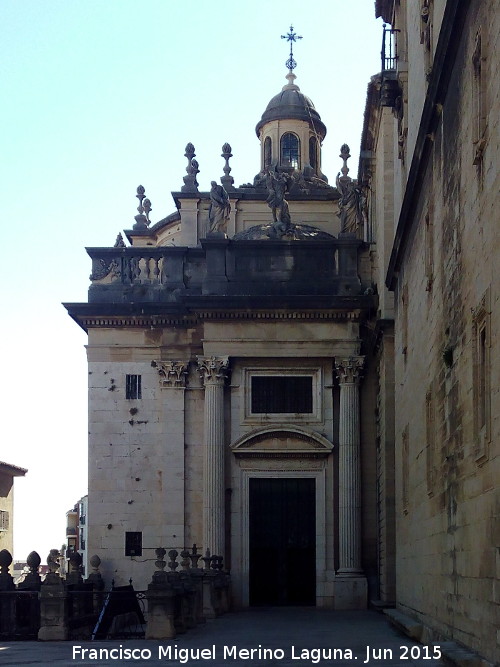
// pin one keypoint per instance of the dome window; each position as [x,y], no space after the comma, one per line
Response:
[267,153]
[313,153]
[290,151]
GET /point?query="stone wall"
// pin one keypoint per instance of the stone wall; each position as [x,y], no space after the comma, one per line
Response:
[447,321]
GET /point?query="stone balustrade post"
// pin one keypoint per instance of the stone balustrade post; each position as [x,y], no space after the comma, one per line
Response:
[177,586]
[95,578]
[213,371]
[189,589]
[53,603]
[7,601]
[160,597]
[32,581]
[209,604]
[196,574]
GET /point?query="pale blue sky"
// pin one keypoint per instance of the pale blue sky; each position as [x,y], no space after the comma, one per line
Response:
[100,96]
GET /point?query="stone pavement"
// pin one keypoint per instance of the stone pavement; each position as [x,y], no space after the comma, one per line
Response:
[288,636]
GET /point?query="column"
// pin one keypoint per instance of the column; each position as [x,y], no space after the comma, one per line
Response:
[213,371]
[352,595]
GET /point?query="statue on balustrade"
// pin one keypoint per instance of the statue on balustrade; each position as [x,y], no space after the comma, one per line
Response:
[220,208]
[352,205]
[277,184]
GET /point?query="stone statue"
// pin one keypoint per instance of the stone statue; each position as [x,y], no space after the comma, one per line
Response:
[276,184]
[311,178]
[220,208]
[352,204]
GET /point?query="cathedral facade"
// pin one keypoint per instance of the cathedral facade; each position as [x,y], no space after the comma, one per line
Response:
[304,378]
[226,375]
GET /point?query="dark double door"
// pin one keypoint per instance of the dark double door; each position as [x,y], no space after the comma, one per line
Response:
[282,538]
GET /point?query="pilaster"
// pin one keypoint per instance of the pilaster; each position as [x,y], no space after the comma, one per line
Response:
[172,375]
[189,221]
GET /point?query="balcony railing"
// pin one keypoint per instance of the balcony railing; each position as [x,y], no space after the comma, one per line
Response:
[389,48]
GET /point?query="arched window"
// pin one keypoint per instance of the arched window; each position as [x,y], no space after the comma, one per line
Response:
[313,153]
[267,153]
[290,151]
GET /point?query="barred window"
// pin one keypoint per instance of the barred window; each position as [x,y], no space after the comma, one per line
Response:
[133,386]
[288,394]
[482,385]
[4,520]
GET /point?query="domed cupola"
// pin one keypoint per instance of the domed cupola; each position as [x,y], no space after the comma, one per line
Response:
[290,130]
[291,104]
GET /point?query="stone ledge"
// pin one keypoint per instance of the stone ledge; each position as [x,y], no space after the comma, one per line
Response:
[452,653]
[406,624]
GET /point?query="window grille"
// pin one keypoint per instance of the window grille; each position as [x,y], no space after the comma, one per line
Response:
[4,520]
[288,394]
[133,386]
[133,544]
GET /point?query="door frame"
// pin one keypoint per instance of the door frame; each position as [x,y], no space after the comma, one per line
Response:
[320,487]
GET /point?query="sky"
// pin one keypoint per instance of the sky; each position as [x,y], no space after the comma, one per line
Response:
[100,96]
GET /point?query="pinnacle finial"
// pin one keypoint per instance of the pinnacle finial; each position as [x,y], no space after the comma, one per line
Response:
[142,220]
[291,37]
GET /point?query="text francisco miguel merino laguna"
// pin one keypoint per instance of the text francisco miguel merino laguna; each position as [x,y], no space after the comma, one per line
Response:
[228,653]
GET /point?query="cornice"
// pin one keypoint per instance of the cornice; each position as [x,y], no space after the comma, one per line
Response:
[336,316]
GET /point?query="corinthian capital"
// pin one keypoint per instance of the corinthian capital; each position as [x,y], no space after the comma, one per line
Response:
[213,370]
[349,370]
[171,373]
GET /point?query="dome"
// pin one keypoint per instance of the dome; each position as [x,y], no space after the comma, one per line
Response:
[290,103]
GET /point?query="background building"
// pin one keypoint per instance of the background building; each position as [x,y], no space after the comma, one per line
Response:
[7,474]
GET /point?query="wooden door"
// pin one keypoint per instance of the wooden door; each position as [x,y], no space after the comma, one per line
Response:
[282,537]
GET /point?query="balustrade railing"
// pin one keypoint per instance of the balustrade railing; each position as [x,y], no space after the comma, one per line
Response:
[224,267]
[389,48]
[192,590]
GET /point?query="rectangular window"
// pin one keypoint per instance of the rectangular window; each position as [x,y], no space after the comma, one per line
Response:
[404,321]
[429,248]
[282,394]
[133,386]
[430,427]
[133,544]
[481,393]
[4,520]
[478,106]
[405,468]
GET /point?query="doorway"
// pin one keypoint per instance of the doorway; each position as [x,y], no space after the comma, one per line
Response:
[282,536]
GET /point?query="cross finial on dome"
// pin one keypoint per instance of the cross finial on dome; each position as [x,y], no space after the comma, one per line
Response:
[291,37]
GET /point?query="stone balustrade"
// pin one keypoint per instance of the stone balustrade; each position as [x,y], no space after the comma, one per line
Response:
[225,267]
[180,599]
[189,592]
